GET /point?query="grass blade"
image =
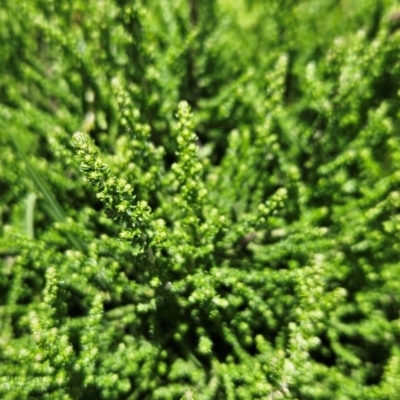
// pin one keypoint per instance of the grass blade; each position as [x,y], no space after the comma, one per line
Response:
[53,207]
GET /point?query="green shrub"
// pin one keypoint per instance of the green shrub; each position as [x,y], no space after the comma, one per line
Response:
[224,223]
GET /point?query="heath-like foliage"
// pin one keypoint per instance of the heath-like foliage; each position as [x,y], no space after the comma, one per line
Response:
[199,200]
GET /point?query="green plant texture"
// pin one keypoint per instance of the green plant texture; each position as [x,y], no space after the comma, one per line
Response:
[200,200]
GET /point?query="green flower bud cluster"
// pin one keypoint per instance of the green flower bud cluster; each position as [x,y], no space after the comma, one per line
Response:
[117,194]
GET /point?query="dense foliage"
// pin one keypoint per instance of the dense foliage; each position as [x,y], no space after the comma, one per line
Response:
[224,223]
